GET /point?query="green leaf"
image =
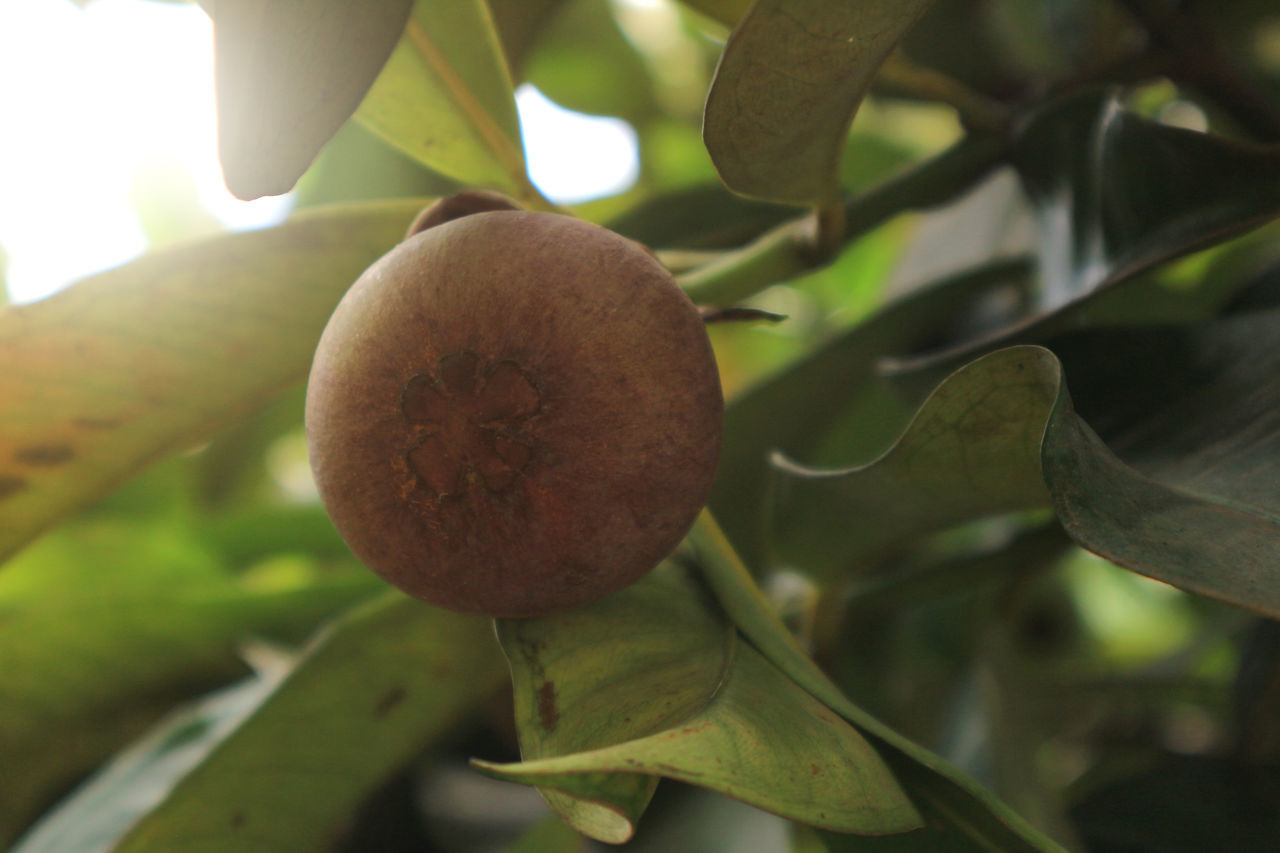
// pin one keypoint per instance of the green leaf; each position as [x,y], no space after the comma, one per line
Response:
[104,626]
[1170,468]
[288,75]
[103,809]
[1116,193]
[1181,486]
[445,99]
[789,82]
[376,689]
[698,217]
[649,682]
[126,365]
[959,813]
[972,450]
[836,384]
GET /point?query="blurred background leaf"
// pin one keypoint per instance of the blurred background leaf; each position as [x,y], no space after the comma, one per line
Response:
[445,99]
[371,693]
[151,357]
[105,624]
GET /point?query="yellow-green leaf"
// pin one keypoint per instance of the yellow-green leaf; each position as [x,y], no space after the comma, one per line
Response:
[651,682]
[103,378]
[445,98]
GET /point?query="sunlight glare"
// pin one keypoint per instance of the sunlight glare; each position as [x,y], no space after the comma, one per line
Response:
[575,157]
[88,99]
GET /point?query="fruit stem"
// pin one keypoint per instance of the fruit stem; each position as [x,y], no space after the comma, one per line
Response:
[787,250]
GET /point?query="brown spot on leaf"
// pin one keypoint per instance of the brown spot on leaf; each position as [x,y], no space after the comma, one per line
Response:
[10,486]
[237,820]
[390,701]
[548,714]
[44,455]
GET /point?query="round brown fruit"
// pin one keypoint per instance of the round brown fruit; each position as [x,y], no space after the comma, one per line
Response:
[514,413]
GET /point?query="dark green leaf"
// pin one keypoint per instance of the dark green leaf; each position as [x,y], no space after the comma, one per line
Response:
[1185,804]
[102,378]
[789,82]
[702,217]
[288,75]
[1116,193]
[1186,487]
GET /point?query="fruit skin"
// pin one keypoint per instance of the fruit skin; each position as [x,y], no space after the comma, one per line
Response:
[514,413]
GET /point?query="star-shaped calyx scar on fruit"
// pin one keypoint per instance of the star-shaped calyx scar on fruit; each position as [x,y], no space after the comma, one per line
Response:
[468,424]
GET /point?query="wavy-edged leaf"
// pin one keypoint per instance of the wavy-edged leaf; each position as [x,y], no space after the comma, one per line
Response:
[959,813]
[1172,467]
[785,92]
[288,74]
[377,688]
[445,98]
[1192,498]
[104,377]
[835,384]
[103,626]
[972,450]
[650,682]
[1116,193]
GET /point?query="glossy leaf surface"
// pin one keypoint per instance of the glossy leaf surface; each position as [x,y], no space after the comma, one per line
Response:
[1116,193]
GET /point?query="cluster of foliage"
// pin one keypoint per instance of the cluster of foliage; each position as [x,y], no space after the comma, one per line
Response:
[1032,317]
